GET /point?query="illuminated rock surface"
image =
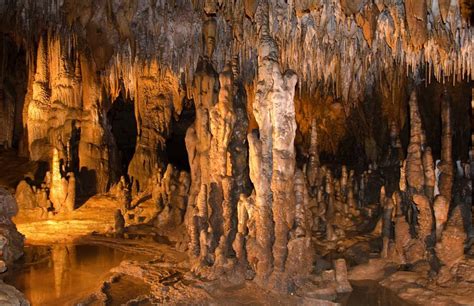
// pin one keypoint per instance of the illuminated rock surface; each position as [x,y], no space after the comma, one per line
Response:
[255,150]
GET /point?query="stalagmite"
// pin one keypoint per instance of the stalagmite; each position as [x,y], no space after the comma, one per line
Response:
[301,206]
[450,249]
[62,193]
[312,169]
[425,218]
[343,284]
[58,191]
[430,178]
[414,166]
[446,166]
[388,208]
[242,228]
[70,201]
[119,227]
[441,209]
[401,229]
[229,229]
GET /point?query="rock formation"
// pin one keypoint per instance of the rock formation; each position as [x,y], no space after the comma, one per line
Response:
[272,164]
[264,138]
[446,166]
[429,212]
[11,241]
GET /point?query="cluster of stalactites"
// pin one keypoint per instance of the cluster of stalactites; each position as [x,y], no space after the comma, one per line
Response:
[343,45]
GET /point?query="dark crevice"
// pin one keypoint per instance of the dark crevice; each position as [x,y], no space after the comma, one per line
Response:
[124,128]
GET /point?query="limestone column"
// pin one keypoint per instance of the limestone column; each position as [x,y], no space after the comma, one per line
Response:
[446,165]
[272,154]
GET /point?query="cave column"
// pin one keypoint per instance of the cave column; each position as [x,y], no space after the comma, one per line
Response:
[446,165]
[198,144]
[272,156]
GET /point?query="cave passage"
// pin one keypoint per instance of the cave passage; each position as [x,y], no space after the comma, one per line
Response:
[176,152]
[124,128]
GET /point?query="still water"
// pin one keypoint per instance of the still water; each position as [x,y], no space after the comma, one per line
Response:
[370,293]
[61,274]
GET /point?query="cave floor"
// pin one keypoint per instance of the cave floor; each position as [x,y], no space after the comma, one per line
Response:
[145,268]
[101,270]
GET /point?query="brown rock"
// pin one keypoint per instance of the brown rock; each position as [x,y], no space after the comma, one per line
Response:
[416,12]
[352,7]
[450,249]
[25,197]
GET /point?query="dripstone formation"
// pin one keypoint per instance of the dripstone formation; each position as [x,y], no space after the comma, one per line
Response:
[277,142]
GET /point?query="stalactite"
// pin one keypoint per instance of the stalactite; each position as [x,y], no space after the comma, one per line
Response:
[336,45]
[239,62]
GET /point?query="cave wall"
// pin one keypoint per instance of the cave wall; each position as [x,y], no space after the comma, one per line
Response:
[13,82]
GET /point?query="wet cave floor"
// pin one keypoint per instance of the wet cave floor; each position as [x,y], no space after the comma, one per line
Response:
[86,272]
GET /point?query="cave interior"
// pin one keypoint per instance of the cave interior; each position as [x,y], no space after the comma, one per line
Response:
[297,152]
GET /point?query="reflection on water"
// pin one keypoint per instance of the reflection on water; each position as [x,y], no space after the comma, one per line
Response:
[370,293]
[60,274]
